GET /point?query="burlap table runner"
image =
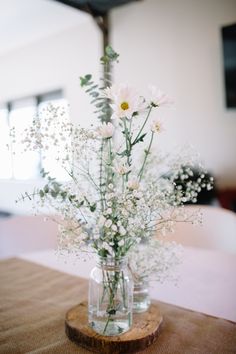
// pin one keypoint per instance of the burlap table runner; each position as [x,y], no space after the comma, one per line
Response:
[34,299]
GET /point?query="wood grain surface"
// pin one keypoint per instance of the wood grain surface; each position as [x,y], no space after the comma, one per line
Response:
[144,331]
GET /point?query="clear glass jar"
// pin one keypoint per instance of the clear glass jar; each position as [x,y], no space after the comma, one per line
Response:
[110,297]
[141,297]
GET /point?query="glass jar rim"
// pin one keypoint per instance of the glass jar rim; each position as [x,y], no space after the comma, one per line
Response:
[112,261]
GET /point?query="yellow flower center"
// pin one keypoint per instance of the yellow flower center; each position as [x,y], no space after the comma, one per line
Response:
[124,106]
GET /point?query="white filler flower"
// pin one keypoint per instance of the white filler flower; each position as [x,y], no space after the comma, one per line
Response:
[156,126]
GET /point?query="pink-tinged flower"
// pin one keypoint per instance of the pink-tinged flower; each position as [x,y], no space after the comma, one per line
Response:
[125,101]
[156,126]
[157,98]
[121,167]
[106,130]
[111,92]
[133,184]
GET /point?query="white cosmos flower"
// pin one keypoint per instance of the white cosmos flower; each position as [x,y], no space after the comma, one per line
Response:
[106,130]
[157,98]
[125,101]
[156,126]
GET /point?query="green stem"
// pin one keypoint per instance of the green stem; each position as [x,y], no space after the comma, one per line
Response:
[139,133]
[108,320]
[104,287]
[110,153]
[108,165]
[100,174]
[127,142]
[146,155]
[128,146]
[112,286]
[130,126]
[123,288]
[123,184]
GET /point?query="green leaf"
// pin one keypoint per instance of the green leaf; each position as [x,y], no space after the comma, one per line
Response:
[103,252]
[94,94]
[43,173]
[71,197]
[111,312]
[110,55]
[99,105]
[54,194]
[41,193]
[93,207]
[123,153]
[140,139]
[46,189]
[91,88]
[56,186]
[63,195]
[85,80]
[120,330]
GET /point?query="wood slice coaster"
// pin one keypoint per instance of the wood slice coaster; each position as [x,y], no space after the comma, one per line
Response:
[145,330]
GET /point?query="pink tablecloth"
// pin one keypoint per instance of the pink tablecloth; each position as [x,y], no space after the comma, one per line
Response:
[207,280]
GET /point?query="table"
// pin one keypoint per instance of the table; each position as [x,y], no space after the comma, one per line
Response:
[34,299]
[207,280]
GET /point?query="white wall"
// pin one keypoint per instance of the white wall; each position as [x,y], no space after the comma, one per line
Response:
[174,44]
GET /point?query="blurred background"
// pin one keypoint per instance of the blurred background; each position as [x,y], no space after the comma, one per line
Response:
[181,46]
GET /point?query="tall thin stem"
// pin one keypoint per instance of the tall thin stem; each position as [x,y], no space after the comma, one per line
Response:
[101,173]
[139,133]
[147,152]
[109,168]
[128,146]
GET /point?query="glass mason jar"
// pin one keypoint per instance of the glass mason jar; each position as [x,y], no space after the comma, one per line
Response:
[141,297]
[110,297]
